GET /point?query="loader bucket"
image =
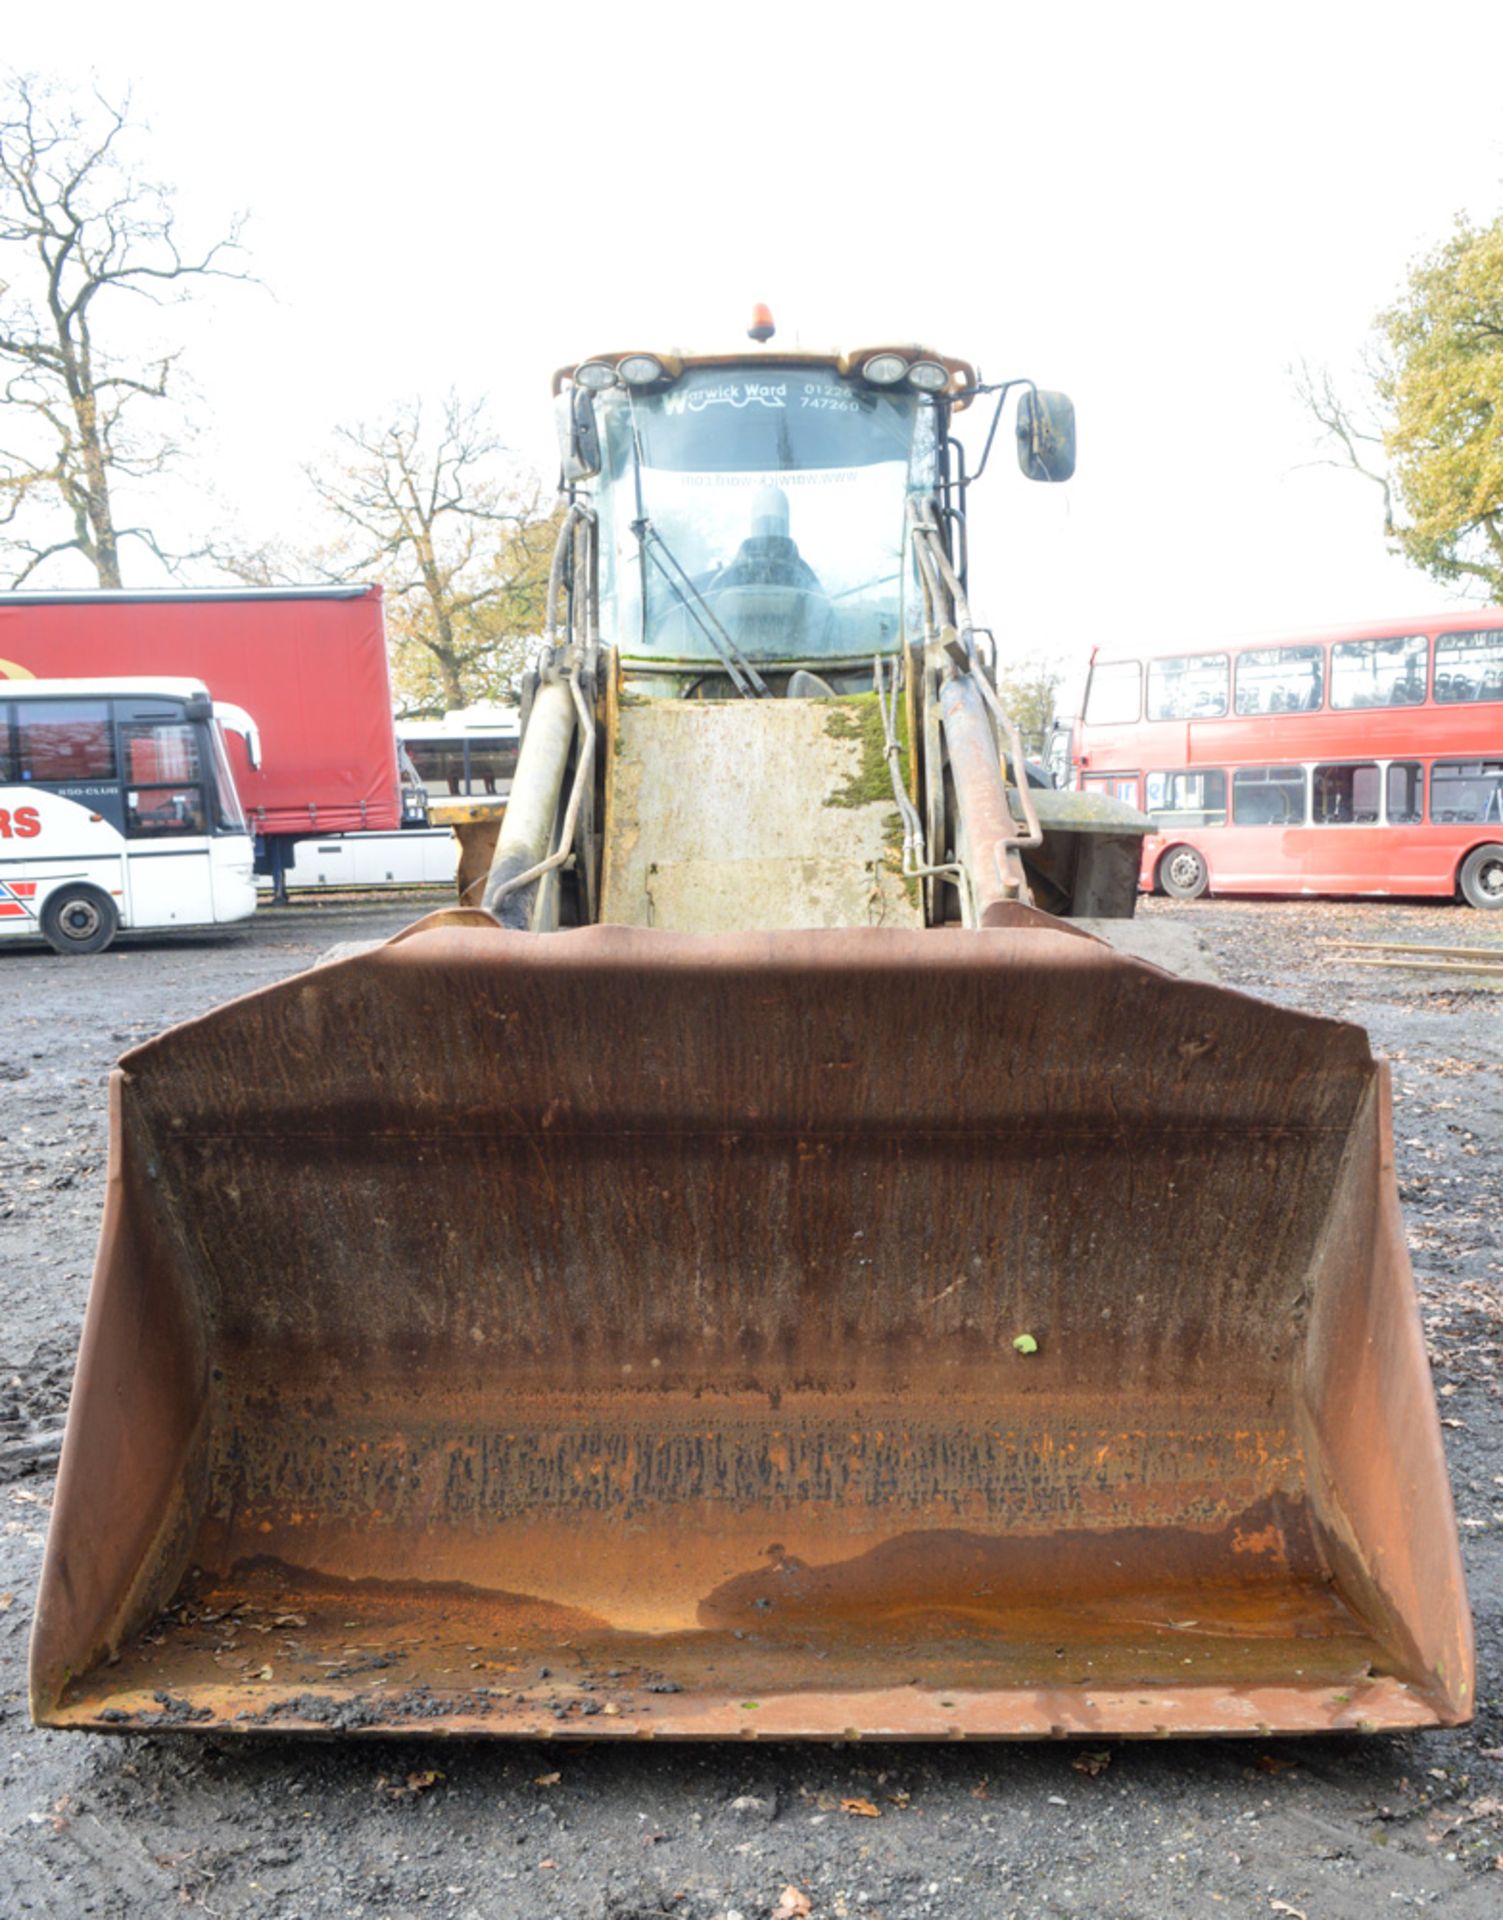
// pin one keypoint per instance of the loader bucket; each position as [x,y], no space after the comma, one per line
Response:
[854,1333]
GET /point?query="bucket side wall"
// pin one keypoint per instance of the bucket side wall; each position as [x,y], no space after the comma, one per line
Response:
[134,1473]
[1372,1434]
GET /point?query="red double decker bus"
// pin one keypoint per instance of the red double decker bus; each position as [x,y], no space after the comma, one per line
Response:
[1365,761]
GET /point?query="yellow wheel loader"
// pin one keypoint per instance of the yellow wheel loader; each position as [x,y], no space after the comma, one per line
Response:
[767,1268]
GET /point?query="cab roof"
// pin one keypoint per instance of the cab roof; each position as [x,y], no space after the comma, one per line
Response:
[679,360]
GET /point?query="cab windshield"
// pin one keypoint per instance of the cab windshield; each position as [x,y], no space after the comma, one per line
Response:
[774,504]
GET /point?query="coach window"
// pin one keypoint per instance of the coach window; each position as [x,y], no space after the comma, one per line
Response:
[1188,799]
[1406,793]
[1345,795]
[1467,792]
[1268,797]
[1192,686]
[1281,680]
[62,741]
[163,779]
[1379,673]
[1468,666]
[7,746]
[1115,695]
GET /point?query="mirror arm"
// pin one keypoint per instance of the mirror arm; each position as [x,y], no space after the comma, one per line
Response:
[1001,392]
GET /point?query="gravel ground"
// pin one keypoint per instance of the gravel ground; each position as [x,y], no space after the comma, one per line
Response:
[1321,1828]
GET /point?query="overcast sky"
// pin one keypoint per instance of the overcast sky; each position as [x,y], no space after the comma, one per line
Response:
[1155,208]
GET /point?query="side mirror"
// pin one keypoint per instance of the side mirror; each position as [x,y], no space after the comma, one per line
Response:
[1046,435]
[237,720]
[578,434]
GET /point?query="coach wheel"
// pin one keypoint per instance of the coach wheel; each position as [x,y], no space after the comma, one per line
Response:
[1482,877]
[1182,873]
[79,920]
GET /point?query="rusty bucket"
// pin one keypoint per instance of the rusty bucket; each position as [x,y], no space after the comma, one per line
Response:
[854,1333]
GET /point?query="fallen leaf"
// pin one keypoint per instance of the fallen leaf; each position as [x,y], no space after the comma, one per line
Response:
[6,1600]
[1025,1343]
[290,1620]
[547,1780]
[792,1905]
[1271,1763]
[262,1673]
[408,1789]
[1095,1760]
[1283,1906]
[867,1809]
[546,1866]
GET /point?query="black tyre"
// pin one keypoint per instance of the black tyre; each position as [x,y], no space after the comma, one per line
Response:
[1182,874]
[1482,877]
[79,920]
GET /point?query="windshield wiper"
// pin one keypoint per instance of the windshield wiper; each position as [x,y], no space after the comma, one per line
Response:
[743,675]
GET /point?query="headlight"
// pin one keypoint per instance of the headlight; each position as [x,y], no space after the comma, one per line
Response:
[928,376]
[885,369]
[595,375]
[639,369]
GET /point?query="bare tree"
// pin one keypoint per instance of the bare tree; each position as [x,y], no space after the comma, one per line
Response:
[461,538]
[79,231]
[1355,436]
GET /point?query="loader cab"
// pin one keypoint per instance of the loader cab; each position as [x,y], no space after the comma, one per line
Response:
[762,502]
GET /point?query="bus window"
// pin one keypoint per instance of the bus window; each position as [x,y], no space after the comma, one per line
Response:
[1191,686]
[1406,793]
[1268,797]
[1114,697]
[491,760]
[1379,673]
[1187,799]
[63,740]
[1281,680]
[1467,791]
[163,777]
[1468,666]
[1345,795]
[440,764]
[8,768]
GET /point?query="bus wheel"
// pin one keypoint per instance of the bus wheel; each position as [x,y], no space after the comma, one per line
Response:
[79,920]
[1482,877]
[1182,873]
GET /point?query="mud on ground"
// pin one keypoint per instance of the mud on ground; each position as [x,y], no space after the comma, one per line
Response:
[1330,1829]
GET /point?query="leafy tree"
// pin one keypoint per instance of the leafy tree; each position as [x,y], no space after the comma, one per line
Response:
[460,537]
[79,231]
[1029,690]
[1430,430]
